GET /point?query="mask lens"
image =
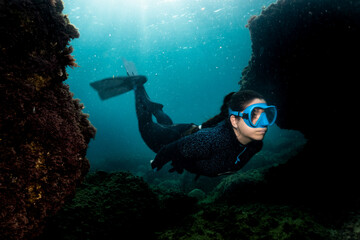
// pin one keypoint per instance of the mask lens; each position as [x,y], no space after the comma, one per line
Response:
[255,115]
[270,114]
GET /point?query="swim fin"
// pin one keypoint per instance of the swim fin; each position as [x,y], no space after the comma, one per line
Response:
[111,87]
[130,68]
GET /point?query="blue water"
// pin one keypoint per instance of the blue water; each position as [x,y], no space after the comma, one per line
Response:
[192,51]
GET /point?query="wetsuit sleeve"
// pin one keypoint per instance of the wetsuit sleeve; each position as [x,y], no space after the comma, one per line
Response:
[165,155]
[185,152]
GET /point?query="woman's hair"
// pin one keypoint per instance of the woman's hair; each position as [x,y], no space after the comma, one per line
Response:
[240,99]
[236,101]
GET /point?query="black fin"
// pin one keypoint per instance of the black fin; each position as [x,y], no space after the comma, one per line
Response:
[111,87]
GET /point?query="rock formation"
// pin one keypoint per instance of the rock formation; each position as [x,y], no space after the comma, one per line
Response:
[305,60]
[43,132]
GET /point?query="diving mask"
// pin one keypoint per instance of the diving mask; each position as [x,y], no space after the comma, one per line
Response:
[258,115]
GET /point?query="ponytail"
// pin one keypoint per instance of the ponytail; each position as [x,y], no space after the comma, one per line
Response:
[224,113]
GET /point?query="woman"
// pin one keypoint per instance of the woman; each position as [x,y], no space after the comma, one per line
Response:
[222,145]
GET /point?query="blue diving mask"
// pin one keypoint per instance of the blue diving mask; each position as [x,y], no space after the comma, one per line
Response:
[258,115]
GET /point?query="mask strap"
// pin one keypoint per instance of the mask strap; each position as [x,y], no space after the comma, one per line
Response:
[238,114]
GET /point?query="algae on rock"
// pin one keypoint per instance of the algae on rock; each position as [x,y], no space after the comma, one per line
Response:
[43,133]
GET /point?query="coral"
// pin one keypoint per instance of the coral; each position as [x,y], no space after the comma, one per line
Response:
[304,61]
[43,133]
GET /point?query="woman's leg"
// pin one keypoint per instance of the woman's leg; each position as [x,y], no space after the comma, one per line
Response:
[151,107]
[155,135]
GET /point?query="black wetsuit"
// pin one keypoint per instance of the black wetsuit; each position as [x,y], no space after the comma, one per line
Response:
[160,133]
[210,151]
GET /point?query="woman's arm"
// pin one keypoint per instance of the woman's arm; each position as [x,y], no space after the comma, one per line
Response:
[165,155]
[184,152]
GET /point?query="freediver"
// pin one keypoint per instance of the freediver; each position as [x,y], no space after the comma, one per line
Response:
[221,145]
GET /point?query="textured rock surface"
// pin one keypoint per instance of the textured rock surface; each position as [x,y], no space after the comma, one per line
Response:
[116,205]
[43,132]
[113,205]
[305,61]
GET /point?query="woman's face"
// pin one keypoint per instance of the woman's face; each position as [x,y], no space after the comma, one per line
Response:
[243,132]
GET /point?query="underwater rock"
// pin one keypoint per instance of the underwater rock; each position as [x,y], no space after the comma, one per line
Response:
[197,193]
[251,221]
[108,206]
[43,133]
[305,61]
[113,205]
[240,187]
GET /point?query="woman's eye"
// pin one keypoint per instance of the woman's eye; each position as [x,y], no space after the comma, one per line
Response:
[255,114]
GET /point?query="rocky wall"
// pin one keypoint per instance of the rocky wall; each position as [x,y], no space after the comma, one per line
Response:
[305,60]
[43,132]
